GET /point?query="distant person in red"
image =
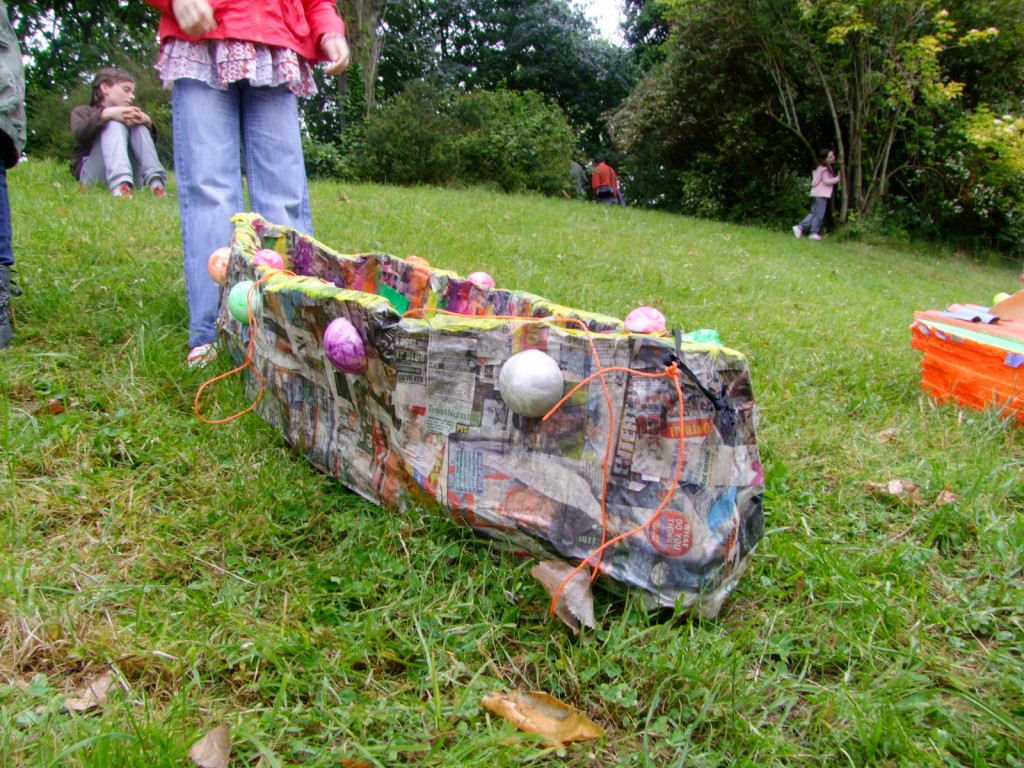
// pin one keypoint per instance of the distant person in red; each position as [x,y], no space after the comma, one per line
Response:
[605,183]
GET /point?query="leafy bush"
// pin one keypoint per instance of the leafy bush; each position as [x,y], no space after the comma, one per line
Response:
[408,141]
[323,161]
[968,188]
[517,142]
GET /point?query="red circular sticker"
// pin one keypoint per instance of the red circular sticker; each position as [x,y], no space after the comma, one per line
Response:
[671,533]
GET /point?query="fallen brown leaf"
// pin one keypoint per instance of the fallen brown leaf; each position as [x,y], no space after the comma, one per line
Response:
[55,406]
[575,604]
[537,712]
[213,750]
[946,496]
[92,694]
[888,435]
[349,763]
[902,491]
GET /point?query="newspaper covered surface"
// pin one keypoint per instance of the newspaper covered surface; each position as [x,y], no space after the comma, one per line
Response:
[425,426]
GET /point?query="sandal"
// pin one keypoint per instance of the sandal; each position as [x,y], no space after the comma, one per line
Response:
[199,356]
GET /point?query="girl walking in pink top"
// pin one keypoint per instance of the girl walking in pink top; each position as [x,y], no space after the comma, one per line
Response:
[823,182]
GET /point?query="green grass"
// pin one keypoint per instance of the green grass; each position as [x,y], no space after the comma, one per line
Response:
[224,580]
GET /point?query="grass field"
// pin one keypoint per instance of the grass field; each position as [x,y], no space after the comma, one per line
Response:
[223,580]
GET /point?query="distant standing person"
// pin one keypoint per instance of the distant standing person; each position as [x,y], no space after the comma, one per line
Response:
[235,69]
[578,179]
[605,183]
[114,142]
[12,139]
[823,183]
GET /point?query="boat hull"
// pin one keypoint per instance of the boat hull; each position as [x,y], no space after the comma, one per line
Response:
[423,425]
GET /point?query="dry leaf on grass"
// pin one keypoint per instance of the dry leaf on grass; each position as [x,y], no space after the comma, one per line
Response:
[92,694]
[946,496]
[575,605]
[349,763]
[213,750]
[537,712]
[888,435]
[902,491]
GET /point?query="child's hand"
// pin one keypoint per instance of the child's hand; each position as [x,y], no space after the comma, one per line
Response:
[335,48]
[195,17]
[129,115]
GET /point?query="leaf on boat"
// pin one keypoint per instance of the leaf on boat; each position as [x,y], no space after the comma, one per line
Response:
[903,491]
[537,712]
[575,604]
[213,750]
[92,694]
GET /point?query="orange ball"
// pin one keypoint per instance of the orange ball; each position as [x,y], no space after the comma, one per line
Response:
[218,265]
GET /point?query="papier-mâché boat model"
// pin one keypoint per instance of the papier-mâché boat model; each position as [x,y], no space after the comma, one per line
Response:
[413,415]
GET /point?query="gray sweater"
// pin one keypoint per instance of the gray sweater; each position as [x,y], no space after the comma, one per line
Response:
[12,93]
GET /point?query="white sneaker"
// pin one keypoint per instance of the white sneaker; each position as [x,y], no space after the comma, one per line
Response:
[815,236]
[797,232]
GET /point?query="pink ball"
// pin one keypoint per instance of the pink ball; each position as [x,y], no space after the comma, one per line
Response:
[267,258]
[645,320]
[217,266]
[344,346]
[482,279]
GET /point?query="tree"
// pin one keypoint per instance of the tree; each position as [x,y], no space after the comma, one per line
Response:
[646,31]
[873,63]
[546,46]
[65,42]
[697,133]
[861,72]
[363,19]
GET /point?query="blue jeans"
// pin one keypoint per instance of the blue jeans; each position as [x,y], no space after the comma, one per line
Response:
[211,130]
[812,221]
[6,251]
[122,154]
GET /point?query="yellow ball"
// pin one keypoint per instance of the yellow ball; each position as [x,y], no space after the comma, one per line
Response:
[999,297]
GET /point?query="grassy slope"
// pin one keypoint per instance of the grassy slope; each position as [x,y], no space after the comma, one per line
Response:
[226,581]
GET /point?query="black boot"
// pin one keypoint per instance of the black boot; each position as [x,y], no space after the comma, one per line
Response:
[5,307]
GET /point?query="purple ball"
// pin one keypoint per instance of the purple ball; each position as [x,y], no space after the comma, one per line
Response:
[344,346]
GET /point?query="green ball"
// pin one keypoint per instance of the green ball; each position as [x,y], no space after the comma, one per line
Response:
[999,297]
[239,301]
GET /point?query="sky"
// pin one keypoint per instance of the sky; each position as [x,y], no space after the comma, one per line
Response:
[606,14]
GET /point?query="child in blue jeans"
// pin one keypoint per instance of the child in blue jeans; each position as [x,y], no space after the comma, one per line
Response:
[823,182]
[235,69]
[115,141]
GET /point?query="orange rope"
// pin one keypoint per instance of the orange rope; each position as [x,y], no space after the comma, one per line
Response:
[672,372]
[604,386]
[247,363]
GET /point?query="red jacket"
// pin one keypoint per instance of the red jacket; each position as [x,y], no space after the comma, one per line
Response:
[605,176]
[294,24]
